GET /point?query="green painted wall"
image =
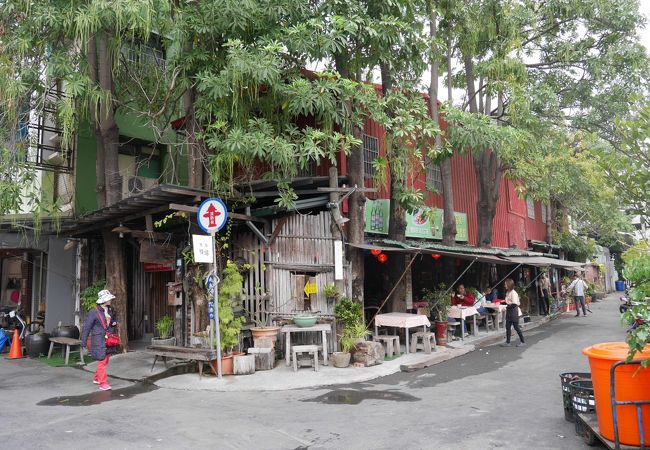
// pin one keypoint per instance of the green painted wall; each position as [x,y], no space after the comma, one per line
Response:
[173,164]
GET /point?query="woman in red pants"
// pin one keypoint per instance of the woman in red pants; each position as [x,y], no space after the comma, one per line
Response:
[100,321]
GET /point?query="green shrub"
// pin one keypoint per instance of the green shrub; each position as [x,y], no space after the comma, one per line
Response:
[348,312]
[164,327]
[89,295]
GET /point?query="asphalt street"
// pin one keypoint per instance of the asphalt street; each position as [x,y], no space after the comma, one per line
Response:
[494,397]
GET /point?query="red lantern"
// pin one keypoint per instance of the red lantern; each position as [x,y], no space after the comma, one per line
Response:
[382,258]
[435,256]
[375,252]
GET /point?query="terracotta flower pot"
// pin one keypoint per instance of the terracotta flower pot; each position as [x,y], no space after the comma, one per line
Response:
[226,364]
[270,333]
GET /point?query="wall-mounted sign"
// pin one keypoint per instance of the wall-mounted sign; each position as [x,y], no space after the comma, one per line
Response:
[311,288]
[154,267]
[418,224]
[156,253]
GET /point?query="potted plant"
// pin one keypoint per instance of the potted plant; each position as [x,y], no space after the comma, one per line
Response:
[349,313]
[229,325]
[164,327]
[439,301]
[331,293]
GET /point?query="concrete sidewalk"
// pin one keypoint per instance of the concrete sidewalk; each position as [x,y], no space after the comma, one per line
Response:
[137,366]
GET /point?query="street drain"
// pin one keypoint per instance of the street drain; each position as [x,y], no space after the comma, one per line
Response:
[352,397]
[97,397]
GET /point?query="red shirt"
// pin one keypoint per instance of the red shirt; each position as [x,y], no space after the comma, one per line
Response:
[467,300]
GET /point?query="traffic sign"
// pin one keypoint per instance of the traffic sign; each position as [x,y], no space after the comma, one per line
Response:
[212,215]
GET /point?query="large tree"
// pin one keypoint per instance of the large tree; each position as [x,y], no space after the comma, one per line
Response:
[78,45]
[537,65]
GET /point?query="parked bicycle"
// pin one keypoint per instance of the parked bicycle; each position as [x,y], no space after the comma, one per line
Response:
[11,317]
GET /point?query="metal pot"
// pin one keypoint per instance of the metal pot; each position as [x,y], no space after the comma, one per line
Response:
[68,331]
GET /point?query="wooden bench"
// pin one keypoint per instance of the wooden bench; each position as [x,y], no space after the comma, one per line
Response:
[65,344]
[200,355]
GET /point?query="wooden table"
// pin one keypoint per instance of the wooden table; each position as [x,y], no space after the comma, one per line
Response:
[65,344]
[401,320]
[499,311]
[323,328]
[462,312]
[200,355]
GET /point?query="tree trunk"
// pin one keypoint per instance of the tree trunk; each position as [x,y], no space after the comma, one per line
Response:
[449,220]
[195,152]
[100,171]
[109,132]
[397,222]
[488,174]
[549,222]
[356,202]
[356,214]
[116,281]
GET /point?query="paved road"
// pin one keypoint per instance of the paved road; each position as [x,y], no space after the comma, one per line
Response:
[506,398]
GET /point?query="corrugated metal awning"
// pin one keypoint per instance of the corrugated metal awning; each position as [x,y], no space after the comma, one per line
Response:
[541,261]
[404,248]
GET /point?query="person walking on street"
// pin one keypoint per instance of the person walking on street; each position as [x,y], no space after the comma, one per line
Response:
[512,313]
[100,321]
[545,287]
[578,287]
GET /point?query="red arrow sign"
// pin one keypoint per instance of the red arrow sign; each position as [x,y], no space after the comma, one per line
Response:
[212,215]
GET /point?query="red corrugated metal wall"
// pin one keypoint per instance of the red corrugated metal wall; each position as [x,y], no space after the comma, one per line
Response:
[511,224]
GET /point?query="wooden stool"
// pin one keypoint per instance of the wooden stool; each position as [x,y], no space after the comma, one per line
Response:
[310,349]
[391,342]
[489,322]
[67,342]
[428,341]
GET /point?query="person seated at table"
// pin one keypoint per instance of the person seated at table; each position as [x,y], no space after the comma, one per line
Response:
[481,299]
[490,294]
[462,298]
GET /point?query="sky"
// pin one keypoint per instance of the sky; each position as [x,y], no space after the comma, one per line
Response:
[644,7]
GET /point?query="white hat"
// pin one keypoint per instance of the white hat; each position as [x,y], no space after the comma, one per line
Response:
[104,296]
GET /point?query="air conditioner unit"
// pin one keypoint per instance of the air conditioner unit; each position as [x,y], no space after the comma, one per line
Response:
[134,185]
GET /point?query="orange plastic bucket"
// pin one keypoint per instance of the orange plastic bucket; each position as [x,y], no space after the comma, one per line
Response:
[628,387]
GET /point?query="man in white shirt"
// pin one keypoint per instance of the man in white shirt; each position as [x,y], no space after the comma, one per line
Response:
[578,287]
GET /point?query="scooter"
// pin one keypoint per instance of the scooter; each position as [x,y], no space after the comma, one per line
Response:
[13,316]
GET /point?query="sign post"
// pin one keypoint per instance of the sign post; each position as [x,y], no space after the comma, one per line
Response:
[211,217]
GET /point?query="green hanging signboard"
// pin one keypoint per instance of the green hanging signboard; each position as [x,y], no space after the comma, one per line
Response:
[418,223]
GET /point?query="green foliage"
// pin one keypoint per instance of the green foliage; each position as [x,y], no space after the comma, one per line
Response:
[578,247]
[89,295]
[439,301]
[348,312]
[351,334]
[229,293]
[637,271]
[330,291]
[164,326]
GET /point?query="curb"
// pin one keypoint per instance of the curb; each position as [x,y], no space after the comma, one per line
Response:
[478,343]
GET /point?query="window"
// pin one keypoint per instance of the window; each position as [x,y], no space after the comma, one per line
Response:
[434,177]
[370,153]
[530,206]
[544,213]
